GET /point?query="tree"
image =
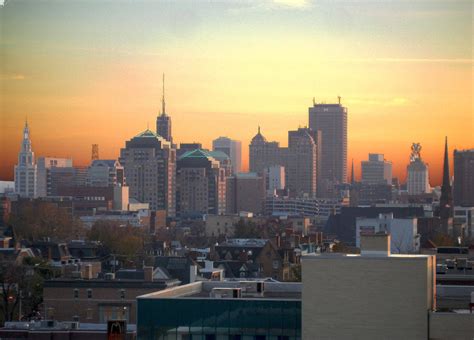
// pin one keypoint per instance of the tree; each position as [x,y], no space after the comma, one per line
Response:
[126,241]
[246,229]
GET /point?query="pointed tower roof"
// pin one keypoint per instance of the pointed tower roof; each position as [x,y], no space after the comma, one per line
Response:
[446,199]
[258,138]
[446,182]
[163,105]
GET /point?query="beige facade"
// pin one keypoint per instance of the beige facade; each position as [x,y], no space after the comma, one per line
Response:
[373,296]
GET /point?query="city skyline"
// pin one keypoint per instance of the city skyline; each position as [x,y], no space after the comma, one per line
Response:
[71,85]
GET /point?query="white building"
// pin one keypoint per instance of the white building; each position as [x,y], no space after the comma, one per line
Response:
[418,181]
[274,179]
[403,231]
[232,148]
[464,216]
[45,164]
[376,170]
[26,169]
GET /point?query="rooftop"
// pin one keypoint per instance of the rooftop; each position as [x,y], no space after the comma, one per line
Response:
[249,289]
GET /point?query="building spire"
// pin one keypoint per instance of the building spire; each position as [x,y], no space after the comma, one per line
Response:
[259,129]
[446,199]
[352,172]
[163,110]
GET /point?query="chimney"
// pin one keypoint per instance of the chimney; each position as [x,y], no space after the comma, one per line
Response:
[375,245]
[88,271]
[148,273]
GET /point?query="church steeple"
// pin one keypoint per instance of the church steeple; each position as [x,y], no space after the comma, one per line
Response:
[446,199]
[352,172]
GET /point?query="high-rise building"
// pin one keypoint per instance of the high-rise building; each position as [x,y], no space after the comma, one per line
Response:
[300,159]
[163,121]
[45,164]
[149,163]
[274,179]
[376,170]
[61,180]
[105,173]
[464,178]
[331,120]
[417,173]
[301,162]
[200,185]
[245,192]
[263,154]
[26,169]
[232,148]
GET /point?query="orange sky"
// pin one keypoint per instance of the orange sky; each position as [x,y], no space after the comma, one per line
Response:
[88,73]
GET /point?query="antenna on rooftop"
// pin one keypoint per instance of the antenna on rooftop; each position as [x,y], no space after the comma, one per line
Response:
[339,99]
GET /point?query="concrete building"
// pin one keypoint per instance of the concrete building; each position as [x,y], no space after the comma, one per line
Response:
[299,159]
[105,173]
[403,232]
[376,170]
[245,192]
[61,180]
[463,188]
[44,174]
[317,208]
[369,296]
[232,148]
[263,154]
[418,181]
[274,179]
[163,121]
[201,185]
[301,162]
[331,121]
[149,163]
[464,216]
[26,170]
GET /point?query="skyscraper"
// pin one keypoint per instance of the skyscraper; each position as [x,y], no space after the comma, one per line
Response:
[163,121]
[149,163]
[446,199]
[232,148]
[464,178]
[418,181]
[331,120]
[201,185]
[26,169]
[45,164]
[376,170]
[263,154]
[105,173]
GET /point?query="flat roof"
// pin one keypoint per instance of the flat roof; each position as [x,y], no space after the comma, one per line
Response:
[202,290]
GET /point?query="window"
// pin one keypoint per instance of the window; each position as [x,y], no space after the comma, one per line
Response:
[76,293]
[122,293]
[89,293]
[89,313]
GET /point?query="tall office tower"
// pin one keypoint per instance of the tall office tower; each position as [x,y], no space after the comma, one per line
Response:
[149,163]
[418,178]
[61,180]
[201,185]
[274,179]
[163,121]
[245,192]
[232,148]
[376,170]
[301,162]
[446,199]
[45,164]
[263,154]
[464,178]
[331,120]
[105,173]
[26,169]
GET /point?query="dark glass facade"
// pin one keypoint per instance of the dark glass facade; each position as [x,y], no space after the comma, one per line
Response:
[216,319]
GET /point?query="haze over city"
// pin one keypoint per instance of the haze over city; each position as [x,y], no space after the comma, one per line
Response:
[85,73]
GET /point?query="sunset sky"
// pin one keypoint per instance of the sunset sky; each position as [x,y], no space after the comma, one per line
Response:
[87,72]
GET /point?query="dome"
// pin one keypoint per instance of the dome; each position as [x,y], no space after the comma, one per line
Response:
[258,138]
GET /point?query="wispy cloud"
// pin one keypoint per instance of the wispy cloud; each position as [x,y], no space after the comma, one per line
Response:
[18,76]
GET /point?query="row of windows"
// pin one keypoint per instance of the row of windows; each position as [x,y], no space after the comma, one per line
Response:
[89,293]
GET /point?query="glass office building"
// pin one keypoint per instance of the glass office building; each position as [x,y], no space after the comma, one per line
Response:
[195,311]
